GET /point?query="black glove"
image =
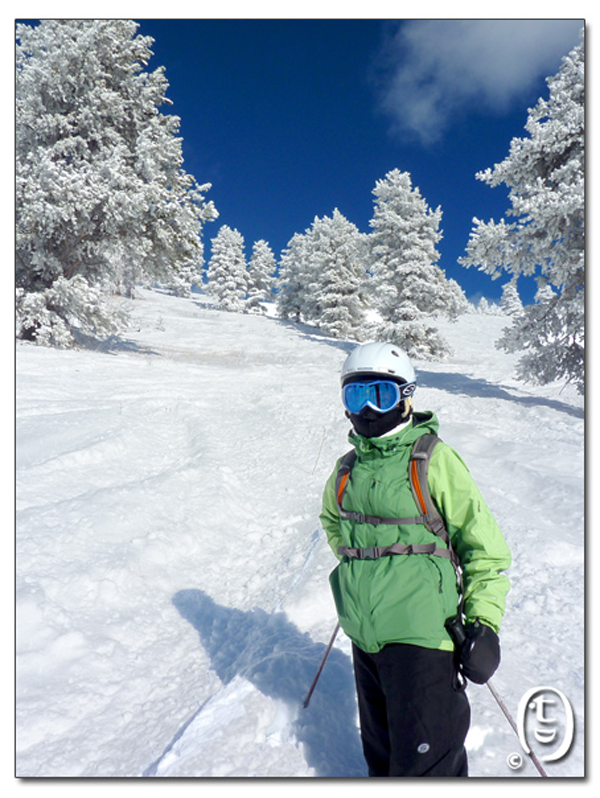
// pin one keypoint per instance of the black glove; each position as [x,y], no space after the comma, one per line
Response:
[480,653]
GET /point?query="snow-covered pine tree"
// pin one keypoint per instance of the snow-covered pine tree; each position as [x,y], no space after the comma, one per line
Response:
[407,284]
[335,291]
[487,308]
[293,279]
[227,279]
[483,306]
[545,176]
[511,301]
[101,199]
[261,276]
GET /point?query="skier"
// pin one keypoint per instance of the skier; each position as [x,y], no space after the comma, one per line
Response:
[394,605]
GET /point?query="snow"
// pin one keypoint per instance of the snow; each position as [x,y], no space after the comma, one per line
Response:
[171,575]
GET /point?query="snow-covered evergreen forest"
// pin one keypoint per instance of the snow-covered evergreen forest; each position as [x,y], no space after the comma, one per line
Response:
[104,205]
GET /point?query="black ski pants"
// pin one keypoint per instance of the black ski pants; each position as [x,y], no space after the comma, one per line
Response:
[414,716]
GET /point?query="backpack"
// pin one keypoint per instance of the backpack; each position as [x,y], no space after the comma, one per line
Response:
[430,516]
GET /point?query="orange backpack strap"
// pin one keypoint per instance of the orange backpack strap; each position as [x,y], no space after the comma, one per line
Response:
[418,471]
[343,475]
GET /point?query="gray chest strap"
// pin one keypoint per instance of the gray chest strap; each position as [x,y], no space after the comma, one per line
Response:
[431,518]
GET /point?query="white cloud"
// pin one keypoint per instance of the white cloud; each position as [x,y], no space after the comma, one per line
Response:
[434,69]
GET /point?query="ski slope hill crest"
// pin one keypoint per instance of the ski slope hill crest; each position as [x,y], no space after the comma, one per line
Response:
[172,588]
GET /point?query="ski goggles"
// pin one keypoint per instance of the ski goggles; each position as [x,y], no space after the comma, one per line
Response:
[380,395]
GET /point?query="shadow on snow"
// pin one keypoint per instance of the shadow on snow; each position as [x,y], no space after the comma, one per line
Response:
[455,383]
[470,386]
[281,662]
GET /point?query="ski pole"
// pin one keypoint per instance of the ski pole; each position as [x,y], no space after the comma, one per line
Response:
[513,725]
[321,666]
[456,631]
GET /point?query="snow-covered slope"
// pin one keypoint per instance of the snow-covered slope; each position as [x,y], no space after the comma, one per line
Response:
[172,595]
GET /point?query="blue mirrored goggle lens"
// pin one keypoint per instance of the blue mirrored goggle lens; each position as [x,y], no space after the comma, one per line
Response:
[381,395]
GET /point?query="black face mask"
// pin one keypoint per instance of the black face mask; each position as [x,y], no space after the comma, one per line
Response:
[371,424]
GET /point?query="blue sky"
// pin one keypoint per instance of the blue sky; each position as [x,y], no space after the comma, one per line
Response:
[289,119]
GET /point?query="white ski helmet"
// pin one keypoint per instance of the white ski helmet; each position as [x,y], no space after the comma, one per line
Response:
[379,359]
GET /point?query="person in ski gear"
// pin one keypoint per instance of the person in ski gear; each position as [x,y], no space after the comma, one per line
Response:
[396,605]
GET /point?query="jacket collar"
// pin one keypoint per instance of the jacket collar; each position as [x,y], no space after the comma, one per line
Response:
[422,422]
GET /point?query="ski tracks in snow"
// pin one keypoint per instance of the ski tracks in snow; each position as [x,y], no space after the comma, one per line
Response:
[172,589]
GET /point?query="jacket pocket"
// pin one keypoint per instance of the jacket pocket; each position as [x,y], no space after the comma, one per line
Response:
[443,583]
[438,577]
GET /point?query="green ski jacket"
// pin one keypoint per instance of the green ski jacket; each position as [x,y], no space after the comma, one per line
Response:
[407,598]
